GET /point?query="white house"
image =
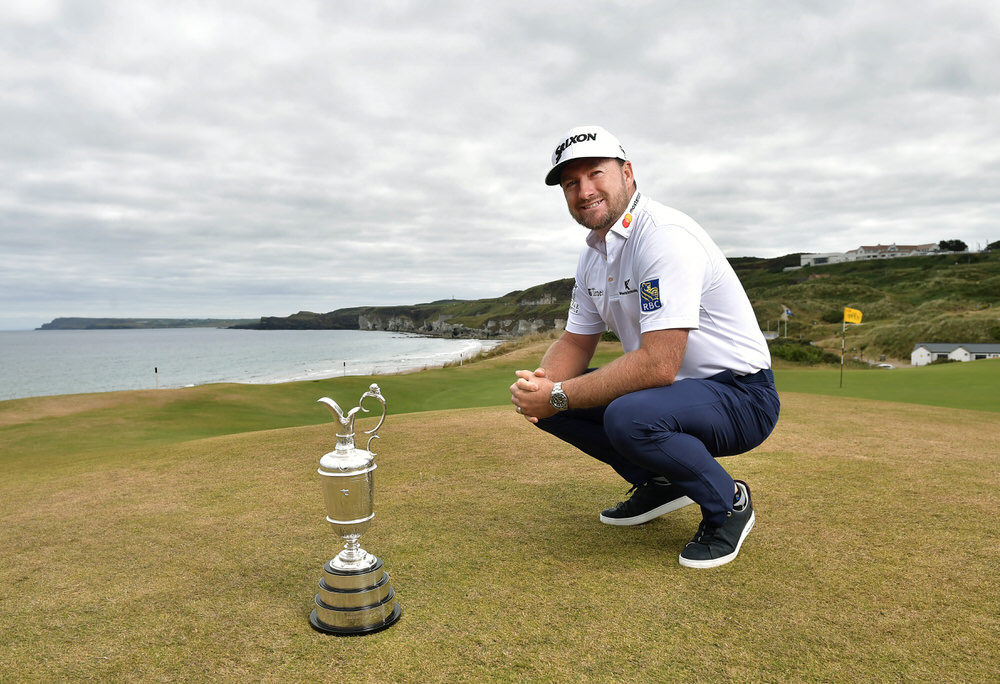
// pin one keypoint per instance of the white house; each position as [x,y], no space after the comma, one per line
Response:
[822,259]
[892,251]
[925,352]
[866,252]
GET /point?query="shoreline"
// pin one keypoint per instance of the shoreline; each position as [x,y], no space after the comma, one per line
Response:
[185,358]
[379,368]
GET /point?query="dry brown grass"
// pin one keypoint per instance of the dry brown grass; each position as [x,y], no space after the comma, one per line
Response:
[875,558]
[40,408]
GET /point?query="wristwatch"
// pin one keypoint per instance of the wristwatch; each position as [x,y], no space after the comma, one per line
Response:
[558,398]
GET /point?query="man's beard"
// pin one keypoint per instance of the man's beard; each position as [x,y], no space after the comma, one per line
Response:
[614,206]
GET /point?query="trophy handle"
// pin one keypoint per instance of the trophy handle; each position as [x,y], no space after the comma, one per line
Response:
[375,393]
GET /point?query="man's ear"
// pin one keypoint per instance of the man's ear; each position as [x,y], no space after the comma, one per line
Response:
[629,176]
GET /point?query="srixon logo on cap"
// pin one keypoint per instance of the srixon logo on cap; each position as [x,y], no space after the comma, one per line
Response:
[582,137]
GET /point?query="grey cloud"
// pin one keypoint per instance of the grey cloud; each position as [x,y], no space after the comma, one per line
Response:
[257,159]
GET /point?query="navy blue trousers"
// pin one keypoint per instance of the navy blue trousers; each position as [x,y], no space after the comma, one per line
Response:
[678,432]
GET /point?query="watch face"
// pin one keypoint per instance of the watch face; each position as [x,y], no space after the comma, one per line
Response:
[558,399]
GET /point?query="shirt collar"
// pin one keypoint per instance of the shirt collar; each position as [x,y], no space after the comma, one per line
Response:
[622,226]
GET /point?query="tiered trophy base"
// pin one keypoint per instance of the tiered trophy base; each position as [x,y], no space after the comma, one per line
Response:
[352,602]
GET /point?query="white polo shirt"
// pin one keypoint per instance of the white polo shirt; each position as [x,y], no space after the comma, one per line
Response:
[658,270]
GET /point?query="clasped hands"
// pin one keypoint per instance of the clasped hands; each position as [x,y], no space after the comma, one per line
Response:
[530,394]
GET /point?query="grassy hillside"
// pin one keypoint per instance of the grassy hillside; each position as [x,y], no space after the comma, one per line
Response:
[947,298]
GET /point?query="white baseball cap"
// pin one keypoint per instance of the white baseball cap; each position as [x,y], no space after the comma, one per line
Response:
[581,142]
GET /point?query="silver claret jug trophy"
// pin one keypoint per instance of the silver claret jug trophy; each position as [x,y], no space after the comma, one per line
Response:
[354,595]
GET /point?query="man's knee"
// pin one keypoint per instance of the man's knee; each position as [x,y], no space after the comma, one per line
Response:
[621,416]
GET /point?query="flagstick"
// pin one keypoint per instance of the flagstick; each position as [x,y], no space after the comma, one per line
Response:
[843,335]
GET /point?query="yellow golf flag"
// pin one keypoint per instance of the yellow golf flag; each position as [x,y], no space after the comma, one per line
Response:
[852,315]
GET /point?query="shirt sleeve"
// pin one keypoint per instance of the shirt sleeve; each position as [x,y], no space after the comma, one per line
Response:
[671,267]
[584,318]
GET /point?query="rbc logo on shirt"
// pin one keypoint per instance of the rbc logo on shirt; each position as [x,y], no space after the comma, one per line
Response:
[649,295]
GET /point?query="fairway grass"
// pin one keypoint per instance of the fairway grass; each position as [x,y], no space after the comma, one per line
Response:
[972,385]
[160,537]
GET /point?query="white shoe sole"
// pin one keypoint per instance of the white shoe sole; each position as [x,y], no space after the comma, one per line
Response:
[668,507]
[716,562]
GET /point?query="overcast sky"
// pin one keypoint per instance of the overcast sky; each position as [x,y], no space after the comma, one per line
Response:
[217,159]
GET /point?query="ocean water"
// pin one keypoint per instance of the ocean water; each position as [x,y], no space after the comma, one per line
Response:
[46,362]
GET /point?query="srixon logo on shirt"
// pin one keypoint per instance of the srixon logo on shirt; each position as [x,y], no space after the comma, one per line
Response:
[582,137]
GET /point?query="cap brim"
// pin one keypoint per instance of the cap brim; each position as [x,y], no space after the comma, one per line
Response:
[554,176]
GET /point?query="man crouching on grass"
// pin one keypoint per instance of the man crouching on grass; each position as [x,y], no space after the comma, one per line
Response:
[694,383]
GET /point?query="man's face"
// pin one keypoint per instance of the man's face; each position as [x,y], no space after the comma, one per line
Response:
[597,191]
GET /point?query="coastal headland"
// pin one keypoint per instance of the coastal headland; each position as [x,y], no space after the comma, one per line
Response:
[904,302]
[538,309]
[80,323]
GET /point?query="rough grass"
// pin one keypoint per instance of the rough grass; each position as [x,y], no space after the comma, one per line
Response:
[193,558]
[944,298]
